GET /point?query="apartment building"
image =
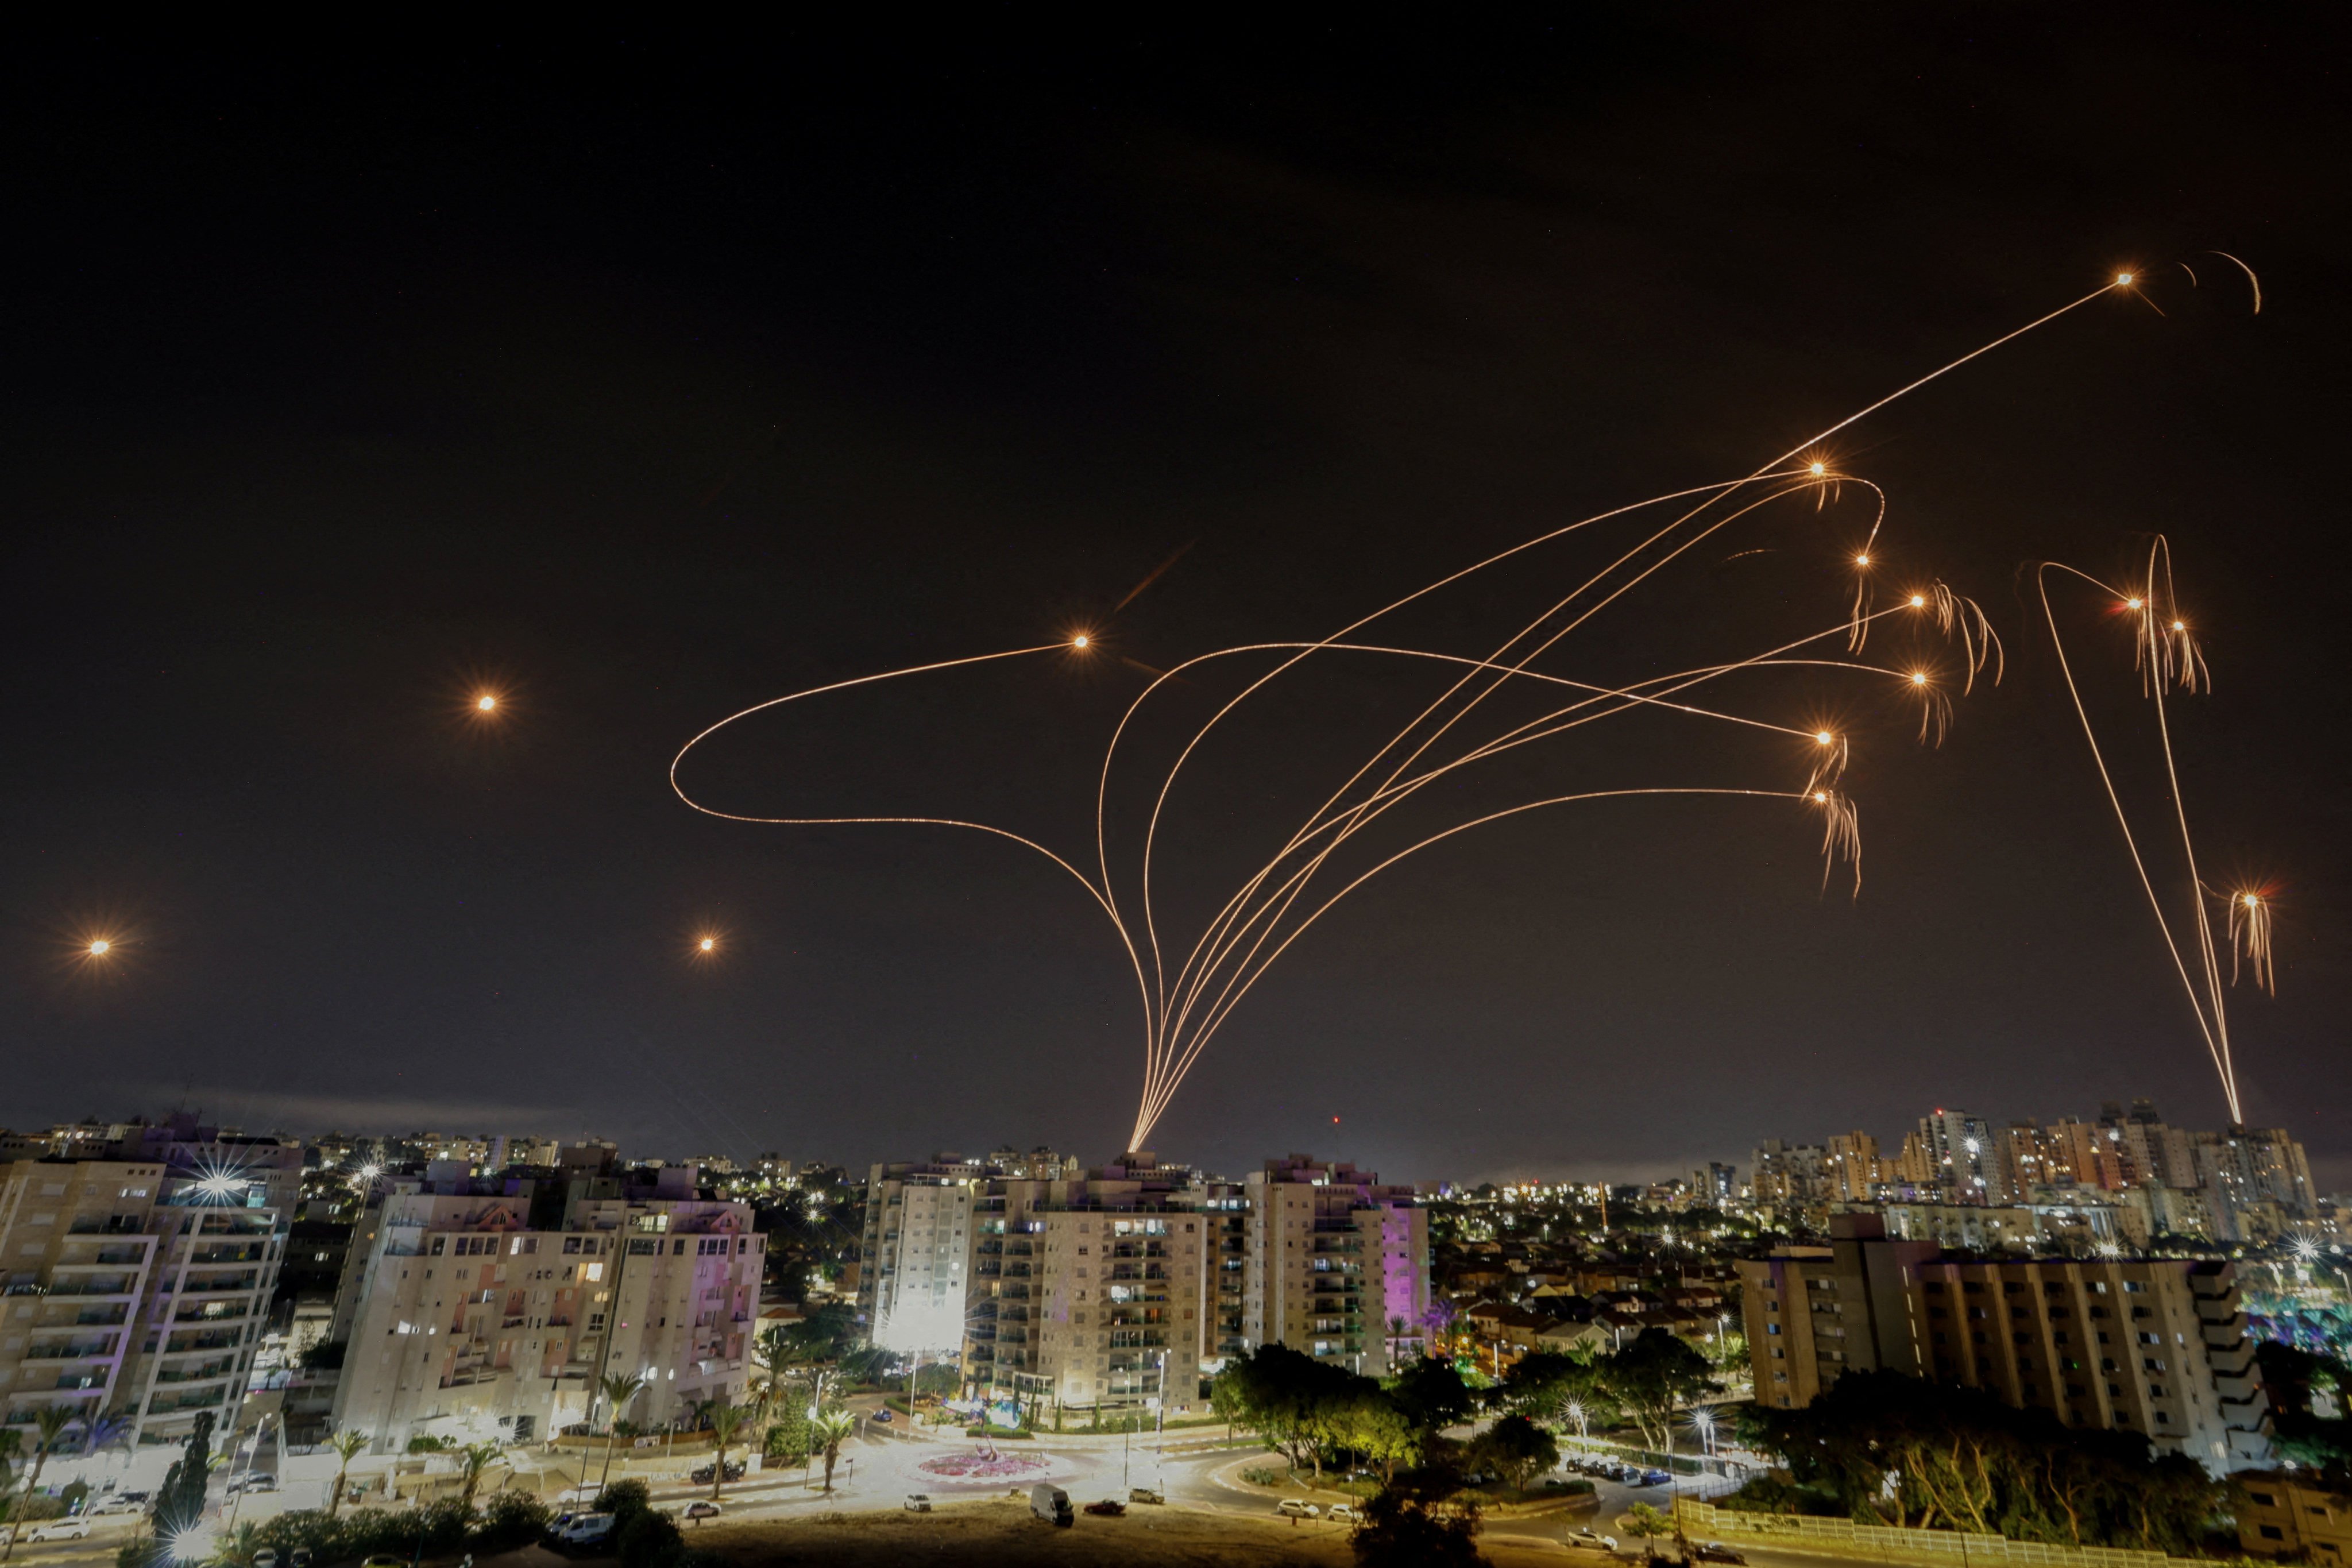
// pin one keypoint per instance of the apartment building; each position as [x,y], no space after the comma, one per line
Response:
[916,1253]
[1335,1264]
[486,1307]
[1125,1287]
[2152,1346]
[2292,1515]
[1096,1290]
[138,1285]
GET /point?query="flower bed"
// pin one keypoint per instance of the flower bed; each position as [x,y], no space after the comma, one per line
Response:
[983,1467]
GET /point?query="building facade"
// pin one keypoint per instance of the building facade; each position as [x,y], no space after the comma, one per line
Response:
[138,1285]
[469,1322]
[2152,1346]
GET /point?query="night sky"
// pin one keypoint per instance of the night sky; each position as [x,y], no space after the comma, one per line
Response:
[642,380]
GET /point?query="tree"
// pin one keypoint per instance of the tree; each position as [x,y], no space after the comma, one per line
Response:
[180,1501]
[50,1423]
[618,1388]
[1645,1524]
[1418,1519]
[1654,1376]
[240,1546]
[830,1430]
[1431,1395]
[348,1443]
[472,1460]
[1517,1448]
[725,1421]
[1296,1404]
[1541,1384]
[1374,1426]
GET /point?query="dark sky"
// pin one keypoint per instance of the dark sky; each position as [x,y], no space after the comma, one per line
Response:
[643,381]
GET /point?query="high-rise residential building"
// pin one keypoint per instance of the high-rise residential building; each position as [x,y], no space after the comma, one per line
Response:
[138,1285]
[1853,1171]
[1788,1174]
[1962,1158]
[915,1257]
[1714,1184]
[488,1307]
[2151,1346]
[1122,1288]
[1095,1290]
[1335,1264]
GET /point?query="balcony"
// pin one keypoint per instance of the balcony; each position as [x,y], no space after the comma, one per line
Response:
[109,1258]
[101,1285]
[116,1225]
[99,1350]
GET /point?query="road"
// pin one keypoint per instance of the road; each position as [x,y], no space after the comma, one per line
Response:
[1195,1469]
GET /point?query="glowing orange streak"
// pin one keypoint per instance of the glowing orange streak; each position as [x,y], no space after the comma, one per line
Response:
[2159,549]
[2148,884]
[1143,1127]
[1215,939]
[679,790]
[1317,816]
[1151,831]
[1759,472]
[1224,936]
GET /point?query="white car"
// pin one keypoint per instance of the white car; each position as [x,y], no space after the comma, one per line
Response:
[577,1497]
[60,1530]
[1298,1507]
[116,1507]
[1343,1513]
[1594,1538]
[919,1502]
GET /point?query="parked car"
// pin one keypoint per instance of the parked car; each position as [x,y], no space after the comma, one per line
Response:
[116,1506]
[1342,1513]
[582,1530]
[384,1560]
[577,1497]
[1109,1507]
[1716,1552]
[919,1502]
[1050,1503]
[702,1478]
[60,1530]
[885,1415]
[300,1558]
[1298,1507]
[1658,1477]
[1144,1494]
[265,1558]
[701,1508]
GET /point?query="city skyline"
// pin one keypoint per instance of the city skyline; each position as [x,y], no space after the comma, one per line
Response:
[1233,359]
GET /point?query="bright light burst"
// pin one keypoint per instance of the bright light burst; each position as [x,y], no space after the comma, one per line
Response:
[100,947]
[1187,989]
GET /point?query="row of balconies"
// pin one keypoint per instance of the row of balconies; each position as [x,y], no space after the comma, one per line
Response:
[99,1350]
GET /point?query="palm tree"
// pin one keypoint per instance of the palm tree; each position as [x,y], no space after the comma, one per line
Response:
[240,1547]
[50,1423]
[618,1388]
[726,1420]
[348,1444]
[772,1352]
[829,1429]
[472,1460]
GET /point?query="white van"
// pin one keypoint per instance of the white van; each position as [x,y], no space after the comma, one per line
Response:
[1051,1503]
[584,1529]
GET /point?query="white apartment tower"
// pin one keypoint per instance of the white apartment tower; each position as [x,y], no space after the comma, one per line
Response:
[470,1324]
[1335,1265]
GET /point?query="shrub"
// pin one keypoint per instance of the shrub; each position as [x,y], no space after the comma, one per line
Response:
[623,1500]
[650,1539]
[511,1520]
[1263,1476]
